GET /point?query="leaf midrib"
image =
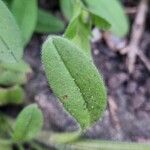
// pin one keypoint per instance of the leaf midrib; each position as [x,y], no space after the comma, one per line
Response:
[7,46]
[74,80]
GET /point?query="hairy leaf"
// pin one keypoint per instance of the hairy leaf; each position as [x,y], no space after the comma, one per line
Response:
[48,23]
[74,79]
[11,49]
[28,123]
[111,11]
[25,12]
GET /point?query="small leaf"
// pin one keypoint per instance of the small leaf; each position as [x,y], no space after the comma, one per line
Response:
[28,123]
[111,11]
[48,23]
[100,22]
[79,29]
[67,8]
[74,79]
[79,33]
[14,73]
[25,12]
[13,95]
[11,49]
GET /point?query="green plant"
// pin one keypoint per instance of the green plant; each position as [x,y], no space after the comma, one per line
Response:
[69,68]
[30,18]
[27,125]
[74,79]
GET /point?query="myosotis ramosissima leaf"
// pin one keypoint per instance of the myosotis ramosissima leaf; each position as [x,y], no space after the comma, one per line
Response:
[13,95]
[67,8]
[48,23]
[14,73]
[28,123]
[111,11]
[74,79]
[11,49]
[25,12]
[100,22]
[79,29]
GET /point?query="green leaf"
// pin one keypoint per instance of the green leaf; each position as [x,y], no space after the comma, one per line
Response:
[11,49]
[79,29]
[8,2]
[28,123]
[25,12]
[79,33]
[111,11]
[100,22]
[48,23]
[74,79]
[67,8]
[5,126]
[15,73]
[13,95]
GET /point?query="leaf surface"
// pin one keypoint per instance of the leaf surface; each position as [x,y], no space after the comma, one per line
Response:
[13,95]
[111,11]
[79,29]
[11,49]
[48,23]
[25,12]
[67,8]
[28,123]
[74,79]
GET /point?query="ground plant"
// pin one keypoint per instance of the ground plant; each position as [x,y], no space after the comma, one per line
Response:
[69,68]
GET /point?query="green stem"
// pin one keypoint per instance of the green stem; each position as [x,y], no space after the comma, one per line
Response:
[62,141]
[108,145]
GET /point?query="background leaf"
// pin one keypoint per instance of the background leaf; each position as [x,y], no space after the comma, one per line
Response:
[8,2]
[67,8]
[100,22]
[28,123]
[79,30]
[74,79]
[25,12]
[11,49]
[5,144]
[14,73]
[48,23]
[111,11]
[13,95]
